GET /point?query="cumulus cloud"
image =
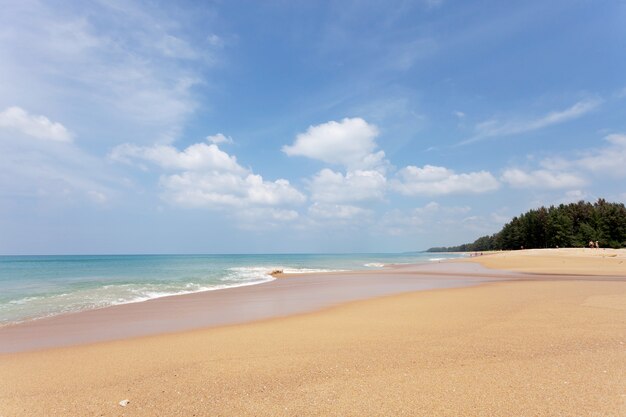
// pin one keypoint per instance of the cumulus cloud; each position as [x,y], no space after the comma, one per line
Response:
[40,127]
[224,190]
[211,178]
[349,143]
[197,157]
[541,178]
[494,128]
[435,180]
[334,187]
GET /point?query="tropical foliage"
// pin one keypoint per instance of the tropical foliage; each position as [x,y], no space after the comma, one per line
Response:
[566,225]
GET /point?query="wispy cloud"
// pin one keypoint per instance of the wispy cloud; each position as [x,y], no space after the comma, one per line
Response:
[129,69]
[609,160]
[562,172]
[51,170]
[497,128]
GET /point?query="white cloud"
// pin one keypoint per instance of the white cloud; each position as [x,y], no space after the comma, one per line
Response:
[609,160]
[334,187]
[561,172]
[617,139]
[197,157]
[435,180]
[219,138]
[211,178]
[349,143]
[39,127]
[221,190]
[495,128]
[541,178]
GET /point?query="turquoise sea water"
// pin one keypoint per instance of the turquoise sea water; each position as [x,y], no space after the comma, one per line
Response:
[39,286]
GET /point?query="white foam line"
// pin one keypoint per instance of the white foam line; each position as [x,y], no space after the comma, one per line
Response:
[140,300]
[204,289]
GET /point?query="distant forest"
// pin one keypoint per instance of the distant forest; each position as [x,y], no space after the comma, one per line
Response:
[571,225]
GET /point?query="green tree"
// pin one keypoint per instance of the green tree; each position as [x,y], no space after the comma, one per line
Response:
[571,225]
[560,229]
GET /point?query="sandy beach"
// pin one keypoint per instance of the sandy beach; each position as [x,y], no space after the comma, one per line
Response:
[504,344]
[576,261]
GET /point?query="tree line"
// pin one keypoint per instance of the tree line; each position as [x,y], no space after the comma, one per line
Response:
[566,225]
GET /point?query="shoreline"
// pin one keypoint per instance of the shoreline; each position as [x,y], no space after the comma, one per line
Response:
[53,315]
[253,274]
[285,296]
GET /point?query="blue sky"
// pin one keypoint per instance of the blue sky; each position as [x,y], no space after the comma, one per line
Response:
[296,126]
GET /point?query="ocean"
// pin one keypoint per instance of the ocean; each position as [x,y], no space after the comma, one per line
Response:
[33,287]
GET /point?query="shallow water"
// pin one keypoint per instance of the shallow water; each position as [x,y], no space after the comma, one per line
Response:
[40,286]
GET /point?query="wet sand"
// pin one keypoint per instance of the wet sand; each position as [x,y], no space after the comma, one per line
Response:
[285,296]
[525,345]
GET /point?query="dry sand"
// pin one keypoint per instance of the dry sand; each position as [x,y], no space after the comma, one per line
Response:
[523,348]
[558,261]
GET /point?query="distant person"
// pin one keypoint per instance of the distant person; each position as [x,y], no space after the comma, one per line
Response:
[591,244]
[597,245]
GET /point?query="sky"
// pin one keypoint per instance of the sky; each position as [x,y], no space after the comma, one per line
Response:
[298,126]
